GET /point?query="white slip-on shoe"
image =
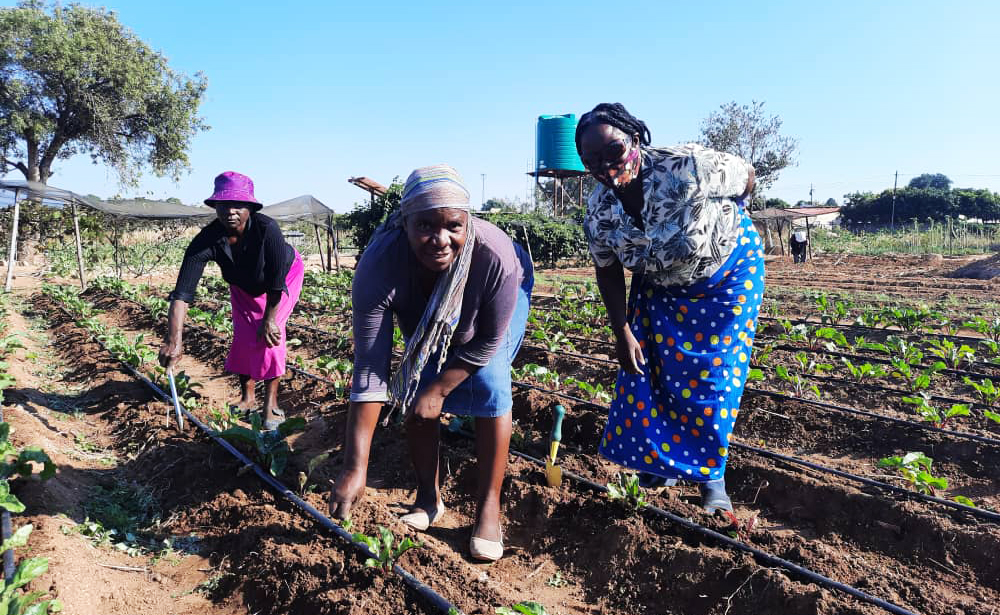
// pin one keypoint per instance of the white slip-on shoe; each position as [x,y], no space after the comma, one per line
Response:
[421,519]
[486,550]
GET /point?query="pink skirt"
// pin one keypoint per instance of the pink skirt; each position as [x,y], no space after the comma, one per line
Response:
[251,357]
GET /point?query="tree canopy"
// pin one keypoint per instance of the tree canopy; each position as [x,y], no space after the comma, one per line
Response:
[747,132]
[937,181]
[73,80]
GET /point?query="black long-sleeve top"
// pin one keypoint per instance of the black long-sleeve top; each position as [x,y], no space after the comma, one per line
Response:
[257,263]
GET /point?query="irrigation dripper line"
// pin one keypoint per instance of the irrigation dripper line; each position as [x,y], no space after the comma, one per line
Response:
[764,452]
[6,529]
[435,599]
[836,353]
[977,512]
[762,557]
[873,415]
[890,390]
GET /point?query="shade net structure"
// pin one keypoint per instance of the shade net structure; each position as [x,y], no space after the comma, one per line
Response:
[773,222]
[305,207]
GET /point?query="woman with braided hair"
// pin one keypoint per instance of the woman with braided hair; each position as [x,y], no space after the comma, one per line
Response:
[459,289]
[674,216]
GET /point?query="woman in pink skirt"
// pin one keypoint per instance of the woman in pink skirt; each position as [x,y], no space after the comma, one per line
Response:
[265,279]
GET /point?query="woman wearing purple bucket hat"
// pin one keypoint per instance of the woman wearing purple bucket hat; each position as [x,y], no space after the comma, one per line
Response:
[265,279]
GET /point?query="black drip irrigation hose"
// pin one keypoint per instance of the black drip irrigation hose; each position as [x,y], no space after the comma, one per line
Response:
[820,404]
[873,415]
[835,353]
[428,594]
[762,557]
[978,512]
[7,530]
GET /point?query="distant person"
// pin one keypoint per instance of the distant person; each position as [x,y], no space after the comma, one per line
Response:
[265,279]
[459,289]
[675,217]
[799,242]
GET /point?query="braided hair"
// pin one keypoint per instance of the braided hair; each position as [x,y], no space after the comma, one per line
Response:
[613,114]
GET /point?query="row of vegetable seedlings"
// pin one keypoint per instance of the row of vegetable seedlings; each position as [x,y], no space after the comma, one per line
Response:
[762,556]
[381,553]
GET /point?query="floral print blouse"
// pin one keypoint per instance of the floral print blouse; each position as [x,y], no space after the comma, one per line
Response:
[691,217]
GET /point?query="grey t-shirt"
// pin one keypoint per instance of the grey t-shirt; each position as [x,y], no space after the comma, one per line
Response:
[385,283]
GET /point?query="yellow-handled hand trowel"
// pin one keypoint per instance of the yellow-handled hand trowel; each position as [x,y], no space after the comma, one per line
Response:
[553,473]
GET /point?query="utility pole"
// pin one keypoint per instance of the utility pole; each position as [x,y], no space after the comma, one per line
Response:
[812,203]
[892,218]
[483,206]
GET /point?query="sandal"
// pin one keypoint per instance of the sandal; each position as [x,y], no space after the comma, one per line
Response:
[272,424]
[421,519]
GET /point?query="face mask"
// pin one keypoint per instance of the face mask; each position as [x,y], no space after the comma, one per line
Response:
[622,173]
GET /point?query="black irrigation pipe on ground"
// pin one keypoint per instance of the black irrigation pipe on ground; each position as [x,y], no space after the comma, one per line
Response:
[762,557]
[6,529]
[977,512]
[891,390]
[435,599]
[874,415]
[900,332]
[834,407]
[969,509]
[837,353]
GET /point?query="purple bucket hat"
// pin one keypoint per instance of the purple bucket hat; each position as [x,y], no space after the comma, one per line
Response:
[234,187]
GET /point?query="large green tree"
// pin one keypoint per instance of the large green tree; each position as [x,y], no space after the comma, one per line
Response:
[73,80]
[747,132]
[938,181]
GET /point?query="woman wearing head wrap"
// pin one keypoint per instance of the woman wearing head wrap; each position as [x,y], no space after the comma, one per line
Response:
[459,289]
[673,216]
[265,279]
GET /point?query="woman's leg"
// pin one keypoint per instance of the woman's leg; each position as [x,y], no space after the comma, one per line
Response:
[492,444]
[271,400]
[423,437]
[248,398]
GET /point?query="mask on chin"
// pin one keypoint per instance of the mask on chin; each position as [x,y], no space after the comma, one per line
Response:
[623,173]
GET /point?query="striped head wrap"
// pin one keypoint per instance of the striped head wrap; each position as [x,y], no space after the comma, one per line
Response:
[431,188]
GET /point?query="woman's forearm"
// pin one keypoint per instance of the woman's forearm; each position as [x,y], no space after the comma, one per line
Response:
[175,321]
[273,299]
[611,283]
[452,376]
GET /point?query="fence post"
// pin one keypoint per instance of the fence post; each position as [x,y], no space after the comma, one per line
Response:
[12,253]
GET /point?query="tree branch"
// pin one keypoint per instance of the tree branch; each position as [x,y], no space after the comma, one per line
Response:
[17,164]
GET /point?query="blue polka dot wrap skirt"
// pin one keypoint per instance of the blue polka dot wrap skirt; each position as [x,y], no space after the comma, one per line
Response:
[674,420]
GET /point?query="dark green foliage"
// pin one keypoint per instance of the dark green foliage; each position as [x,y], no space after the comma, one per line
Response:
[921,204]
[368,215]
[551,239]
[937,181]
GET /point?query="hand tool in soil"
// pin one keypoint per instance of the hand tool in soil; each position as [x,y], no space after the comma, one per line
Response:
[178,415]
[553,473]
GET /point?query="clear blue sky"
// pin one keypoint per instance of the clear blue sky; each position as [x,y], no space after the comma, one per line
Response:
[303,95]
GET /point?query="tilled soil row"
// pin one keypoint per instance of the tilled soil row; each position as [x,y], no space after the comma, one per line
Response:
[607,558]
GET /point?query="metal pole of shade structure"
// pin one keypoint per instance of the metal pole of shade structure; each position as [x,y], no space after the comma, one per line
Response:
[79,246]
[483,205]
[12,253]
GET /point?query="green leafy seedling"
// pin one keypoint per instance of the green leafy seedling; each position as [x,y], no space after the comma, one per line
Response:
[386,550]
[626,490]
[271,446]
[915,467]
[522,608]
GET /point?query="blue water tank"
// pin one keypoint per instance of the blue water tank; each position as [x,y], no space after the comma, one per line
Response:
[555,144]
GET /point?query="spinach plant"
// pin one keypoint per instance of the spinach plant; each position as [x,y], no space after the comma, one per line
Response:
[915,467]
[271,447]
[385,548]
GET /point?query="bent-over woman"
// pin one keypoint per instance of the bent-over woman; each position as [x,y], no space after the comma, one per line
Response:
[265,278]
[674,216]
[459,289]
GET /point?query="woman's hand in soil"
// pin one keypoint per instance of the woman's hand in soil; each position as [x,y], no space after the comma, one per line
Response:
[427,406]
[346,492]
[170,353]
[269,333]
[629,352]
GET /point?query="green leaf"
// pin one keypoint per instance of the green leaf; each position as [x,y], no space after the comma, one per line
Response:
[7,499]
[18,539]
[964,501]
[289,426]
[29,570]
[993,416]
[37,455]
[239,434]
[316,461]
